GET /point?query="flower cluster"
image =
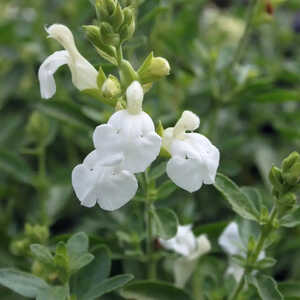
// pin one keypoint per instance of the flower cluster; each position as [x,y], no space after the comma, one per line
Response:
[190,248]
[128,143]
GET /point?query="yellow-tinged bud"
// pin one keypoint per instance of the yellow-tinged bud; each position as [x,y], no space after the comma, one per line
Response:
[153,68]
[111,87]
[291,169]
[37,233]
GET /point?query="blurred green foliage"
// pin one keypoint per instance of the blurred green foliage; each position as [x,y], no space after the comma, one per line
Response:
[252,114]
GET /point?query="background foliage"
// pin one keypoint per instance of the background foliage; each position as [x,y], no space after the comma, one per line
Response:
[252,116]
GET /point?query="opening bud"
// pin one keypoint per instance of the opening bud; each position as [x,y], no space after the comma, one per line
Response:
[188,121]
[111,87]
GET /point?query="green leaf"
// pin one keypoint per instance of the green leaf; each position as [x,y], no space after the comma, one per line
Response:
[237,199]
[165,223]
[53,293]
[81,261]
[13,164]
[22,283]
[292,219]
[42,253]
[290,289]
[94,273]
[254,196]
[153,290]
[78,244]
[166,189]
[108,285]
[266,287]
[158,171]
[265,263]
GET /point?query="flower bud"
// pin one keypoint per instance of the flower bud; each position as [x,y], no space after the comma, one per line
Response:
[37,233]
[128,27]
[111,87]
[20,247]
[291,168]
[153,68]
[108,36]
[289,161]
[275,177]
[117,18]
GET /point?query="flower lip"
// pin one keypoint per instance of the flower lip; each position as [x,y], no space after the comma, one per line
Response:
[188,121]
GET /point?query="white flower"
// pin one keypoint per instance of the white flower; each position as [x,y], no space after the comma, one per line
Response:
[109,186]
[84,75]
[190,248]
[129,135]
[232,244]
[194,159]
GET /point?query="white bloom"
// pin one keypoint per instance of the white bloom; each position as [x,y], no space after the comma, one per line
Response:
[84,75]
[109,186]
[129,135]
[232,244]
[194,158]
[190,247]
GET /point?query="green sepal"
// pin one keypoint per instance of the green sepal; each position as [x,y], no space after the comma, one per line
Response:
[127,73]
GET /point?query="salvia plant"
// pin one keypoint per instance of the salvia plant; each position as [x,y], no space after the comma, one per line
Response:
[137,164]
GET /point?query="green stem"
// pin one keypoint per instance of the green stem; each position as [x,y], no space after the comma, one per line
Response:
[266,231]
[42,184]
[242,42]
[149,226]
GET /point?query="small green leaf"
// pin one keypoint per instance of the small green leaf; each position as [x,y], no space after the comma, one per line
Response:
[158,171]
[237,199]
[266,287]
[22,283]
[94,273]
[108,285]
[265,263]
[166,189]
[165,223]
[254,196]
[81,261]
[78,243]
[42,253]
[292,219]
[53,293]
[153,290]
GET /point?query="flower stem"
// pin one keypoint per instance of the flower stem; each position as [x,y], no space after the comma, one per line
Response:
[149,240]
[266,231]
[242,42]
[42,184]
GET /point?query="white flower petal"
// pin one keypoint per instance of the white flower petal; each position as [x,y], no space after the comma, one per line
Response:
[128,136]
[230,239]
[183,243]
[236,271]
[108,144]
[84,182]
[116,189]
[47,70]
[203,246]
[84,75]
[194,162]
[183,269]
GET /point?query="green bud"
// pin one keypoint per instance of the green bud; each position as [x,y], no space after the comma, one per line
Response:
[106,51]
[117,18]
[251,244]
[153,68]
[105,8]
[20,247]
[111,87]
[127,73]
[264,215]
[127,29]
[275,177]
[291,169]
[37,233]
[38,127]
[108,36]
[289,161]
